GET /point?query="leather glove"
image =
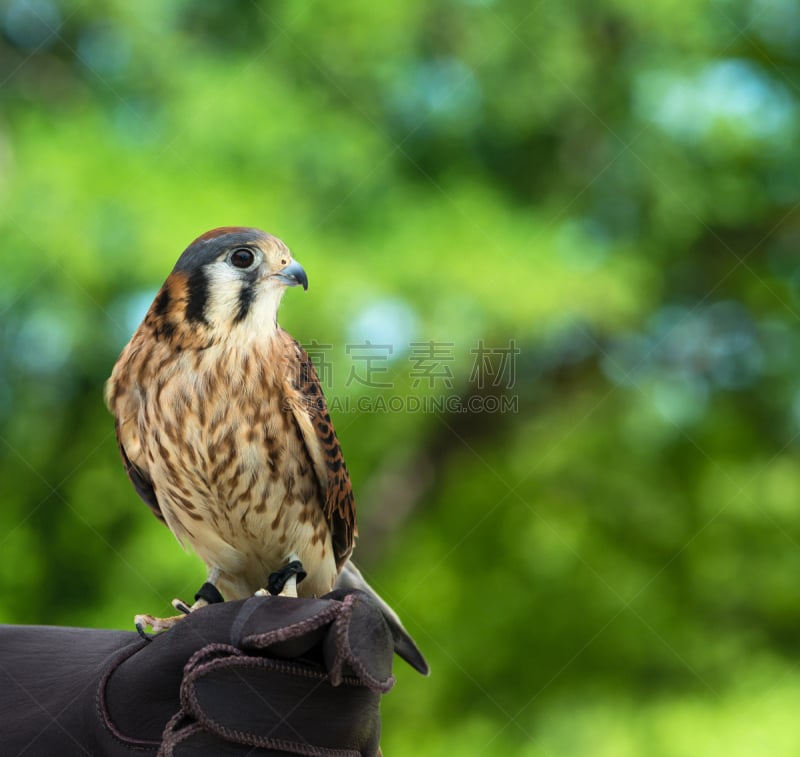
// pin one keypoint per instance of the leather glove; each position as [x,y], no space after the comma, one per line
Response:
[260,676]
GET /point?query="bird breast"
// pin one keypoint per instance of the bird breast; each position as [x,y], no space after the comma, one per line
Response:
[231,472]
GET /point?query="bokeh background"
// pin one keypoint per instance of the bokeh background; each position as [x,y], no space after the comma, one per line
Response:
[553,254]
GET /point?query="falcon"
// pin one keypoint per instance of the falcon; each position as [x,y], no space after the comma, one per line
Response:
[225,434]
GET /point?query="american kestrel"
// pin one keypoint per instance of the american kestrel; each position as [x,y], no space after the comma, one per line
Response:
[224,430]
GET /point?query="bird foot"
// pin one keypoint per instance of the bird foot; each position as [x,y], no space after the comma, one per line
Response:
[164,624]
[207,594]
[182,607]
[283,582]
[157,624]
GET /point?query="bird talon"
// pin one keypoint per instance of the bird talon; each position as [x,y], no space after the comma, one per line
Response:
[140,630]
[181,606]
[157,624]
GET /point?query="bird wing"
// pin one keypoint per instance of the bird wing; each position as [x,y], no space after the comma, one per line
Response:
[124,407]
[141,482]
[310,412]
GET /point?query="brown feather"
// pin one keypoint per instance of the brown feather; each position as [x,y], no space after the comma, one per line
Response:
[141,482]
[308,404]
[224,432]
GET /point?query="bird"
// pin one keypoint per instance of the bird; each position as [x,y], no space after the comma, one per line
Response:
[224,431]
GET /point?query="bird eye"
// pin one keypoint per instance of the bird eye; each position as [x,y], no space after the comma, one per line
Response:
[242,258]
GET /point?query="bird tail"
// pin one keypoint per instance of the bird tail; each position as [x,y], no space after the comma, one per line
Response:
[351,578]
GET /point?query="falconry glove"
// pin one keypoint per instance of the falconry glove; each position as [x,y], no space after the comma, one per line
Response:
[261,676]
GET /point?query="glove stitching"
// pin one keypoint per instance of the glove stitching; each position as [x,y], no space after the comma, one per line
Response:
[209,652]
[192,706]
[285,633]
[101,705]
[173,735]
[341,630]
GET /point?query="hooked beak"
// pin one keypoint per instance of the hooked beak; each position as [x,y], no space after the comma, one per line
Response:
[293,275]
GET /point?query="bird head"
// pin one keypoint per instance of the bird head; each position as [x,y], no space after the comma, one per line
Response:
[231,277]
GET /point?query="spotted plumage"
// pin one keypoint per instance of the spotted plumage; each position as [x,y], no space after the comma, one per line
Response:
[224,431]
[222,425]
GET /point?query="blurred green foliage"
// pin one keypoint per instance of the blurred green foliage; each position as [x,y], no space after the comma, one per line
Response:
[610,188]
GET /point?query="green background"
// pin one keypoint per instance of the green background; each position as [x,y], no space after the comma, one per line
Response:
[608,568]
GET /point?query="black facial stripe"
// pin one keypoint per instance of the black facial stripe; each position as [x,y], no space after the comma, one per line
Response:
[247,295]
[163,328]
[161,304]
[197,296]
